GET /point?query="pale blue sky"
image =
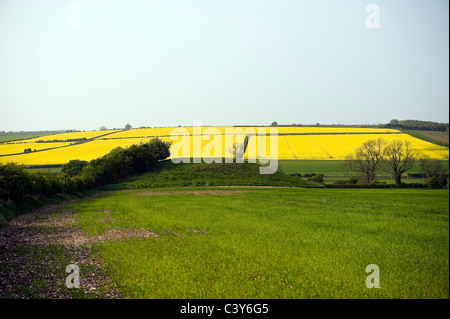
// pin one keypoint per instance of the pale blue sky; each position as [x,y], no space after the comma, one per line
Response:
[224,62]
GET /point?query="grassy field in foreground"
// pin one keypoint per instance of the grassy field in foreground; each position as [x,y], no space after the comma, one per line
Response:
[273,243]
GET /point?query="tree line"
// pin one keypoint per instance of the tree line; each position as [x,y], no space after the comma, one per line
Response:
[416,125]
[16,183]
[395,157]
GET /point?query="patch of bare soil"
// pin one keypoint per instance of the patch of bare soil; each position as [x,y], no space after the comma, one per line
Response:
[35,248]
[199,192]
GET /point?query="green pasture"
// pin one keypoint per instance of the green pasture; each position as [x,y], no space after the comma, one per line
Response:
[273,242]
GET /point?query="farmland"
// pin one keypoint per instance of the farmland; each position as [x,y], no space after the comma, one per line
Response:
[213,230]
[440,136]
[300,143]
[20,136]
[212,159]
[241,243]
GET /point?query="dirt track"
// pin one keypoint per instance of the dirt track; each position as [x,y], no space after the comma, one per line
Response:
[35,248]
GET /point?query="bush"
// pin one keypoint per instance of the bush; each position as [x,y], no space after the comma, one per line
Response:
[377,183]
[14,182]
[439,181]
[74,167]
[317,178]
[415,175]
[351,181]
[80,183]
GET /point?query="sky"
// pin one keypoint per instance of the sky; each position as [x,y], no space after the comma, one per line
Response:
[83,64]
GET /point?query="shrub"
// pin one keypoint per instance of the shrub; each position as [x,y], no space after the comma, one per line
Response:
[14,182]
[351,181]
[439,181]
[73,167]
[317,178]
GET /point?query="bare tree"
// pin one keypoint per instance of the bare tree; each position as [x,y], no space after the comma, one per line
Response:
[366,158]
[398,158]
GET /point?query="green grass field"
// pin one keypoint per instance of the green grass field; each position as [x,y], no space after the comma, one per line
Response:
[18,137]
[187,231]
[439,136]
[331,168]
[273,243]
[334,170]
[214,174]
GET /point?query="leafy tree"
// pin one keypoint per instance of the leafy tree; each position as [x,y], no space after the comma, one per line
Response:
[103,128]
[417,125]
[394,122]
[160,147]
[128,126]
[274,124]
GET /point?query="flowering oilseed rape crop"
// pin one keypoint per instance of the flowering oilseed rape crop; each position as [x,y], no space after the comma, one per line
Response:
[311,143]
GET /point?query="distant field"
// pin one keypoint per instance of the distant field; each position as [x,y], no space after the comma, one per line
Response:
[248,243]
[74,135]
[16,137]
[20,147]
[440,136]
[331,168]
[302,143]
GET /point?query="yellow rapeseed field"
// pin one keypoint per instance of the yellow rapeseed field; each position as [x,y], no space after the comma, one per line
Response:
[13,148]
[312,143]
[86,151]
[336,147]
[151,132]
